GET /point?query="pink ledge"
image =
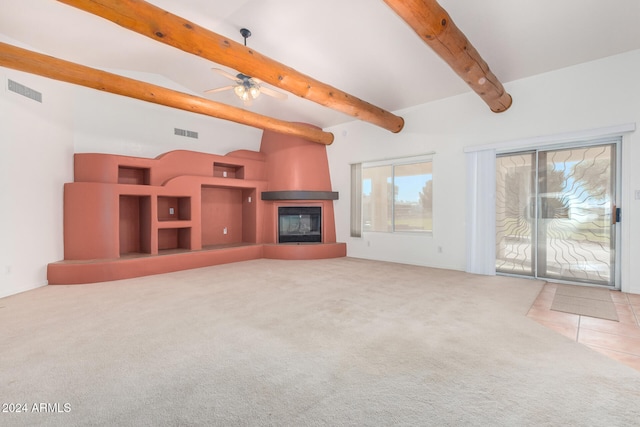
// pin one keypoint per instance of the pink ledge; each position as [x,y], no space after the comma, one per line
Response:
[92,271]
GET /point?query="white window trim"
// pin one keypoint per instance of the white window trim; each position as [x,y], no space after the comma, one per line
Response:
[555,139]
[427,157]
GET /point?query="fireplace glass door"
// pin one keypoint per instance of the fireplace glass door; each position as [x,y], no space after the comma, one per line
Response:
[299,224]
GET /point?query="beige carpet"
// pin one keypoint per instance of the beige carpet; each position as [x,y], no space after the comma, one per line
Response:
[342,342]
[585,301]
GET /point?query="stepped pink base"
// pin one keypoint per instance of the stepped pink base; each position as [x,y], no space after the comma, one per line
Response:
[92,271]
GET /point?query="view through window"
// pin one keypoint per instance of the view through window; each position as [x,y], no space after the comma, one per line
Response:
[397,196]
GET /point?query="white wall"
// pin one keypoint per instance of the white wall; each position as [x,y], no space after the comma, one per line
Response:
[36,158]
[587,96]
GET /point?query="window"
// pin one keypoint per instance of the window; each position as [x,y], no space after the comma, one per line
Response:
[392,196]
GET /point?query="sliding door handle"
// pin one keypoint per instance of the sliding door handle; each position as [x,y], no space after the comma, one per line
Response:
[616,215]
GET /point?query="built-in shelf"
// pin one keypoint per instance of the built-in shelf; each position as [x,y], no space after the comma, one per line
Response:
[227,170]
[174,208]
[174,238]
[133,176]
[174,224]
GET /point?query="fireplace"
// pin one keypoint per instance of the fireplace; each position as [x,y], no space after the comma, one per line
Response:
[299,224]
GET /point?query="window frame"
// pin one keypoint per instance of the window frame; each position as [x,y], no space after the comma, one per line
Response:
[357,212]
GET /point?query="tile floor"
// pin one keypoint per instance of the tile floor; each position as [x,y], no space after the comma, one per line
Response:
[618,340]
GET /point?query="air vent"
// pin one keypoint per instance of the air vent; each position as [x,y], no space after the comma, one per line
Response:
[24,91]
[187,133]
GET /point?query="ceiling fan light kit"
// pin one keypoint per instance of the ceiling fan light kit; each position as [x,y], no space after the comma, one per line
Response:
[247,91]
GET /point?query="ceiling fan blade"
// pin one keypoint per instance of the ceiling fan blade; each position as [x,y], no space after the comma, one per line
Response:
[274,93]
[227,75]
[219,89]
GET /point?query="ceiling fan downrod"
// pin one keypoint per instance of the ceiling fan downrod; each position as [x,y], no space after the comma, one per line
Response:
[245,34]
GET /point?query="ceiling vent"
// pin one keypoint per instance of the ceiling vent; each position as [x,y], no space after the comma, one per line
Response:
[187,133]
[24,90]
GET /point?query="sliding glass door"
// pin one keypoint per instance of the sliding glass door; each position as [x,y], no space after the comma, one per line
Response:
[556,214]
[515,213]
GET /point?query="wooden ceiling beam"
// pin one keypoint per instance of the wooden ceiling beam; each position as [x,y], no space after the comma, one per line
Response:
[58,69]
[162,26]
[435,27]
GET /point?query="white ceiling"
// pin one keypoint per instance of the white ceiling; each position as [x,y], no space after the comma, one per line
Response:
[359,46]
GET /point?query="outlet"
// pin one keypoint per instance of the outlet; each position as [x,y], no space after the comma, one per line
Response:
[439,249]
[224,230]
[171,211]
[249,199]
[224,175]
[637,194]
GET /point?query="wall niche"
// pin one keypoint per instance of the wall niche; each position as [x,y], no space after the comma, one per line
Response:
[134,224]
[174,208]
[133,176]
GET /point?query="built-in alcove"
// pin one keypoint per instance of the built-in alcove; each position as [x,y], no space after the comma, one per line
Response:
[133,176]
[227,170]
[135,224]
[222,219]
[174,238]
[174,208]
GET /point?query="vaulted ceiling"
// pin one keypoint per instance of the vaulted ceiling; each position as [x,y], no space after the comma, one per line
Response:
[358,46]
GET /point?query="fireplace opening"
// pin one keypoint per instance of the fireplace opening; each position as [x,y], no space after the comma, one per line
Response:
[299,224]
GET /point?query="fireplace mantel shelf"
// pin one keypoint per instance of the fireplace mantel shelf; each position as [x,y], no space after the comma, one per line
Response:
[299,195]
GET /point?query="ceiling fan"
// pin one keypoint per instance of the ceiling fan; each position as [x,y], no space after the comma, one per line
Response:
[247,88]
